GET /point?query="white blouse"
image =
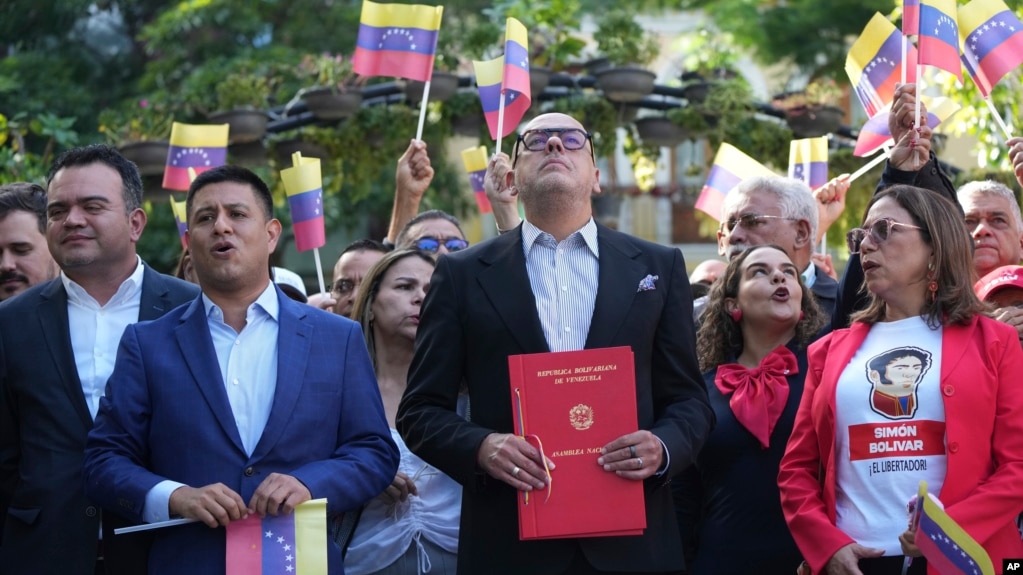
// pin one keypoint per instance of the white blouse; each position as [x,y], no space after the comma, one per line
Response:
[385,532]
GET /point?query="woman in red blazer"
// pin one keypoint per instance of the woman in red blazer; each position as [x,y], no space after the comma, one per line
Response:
[921,387]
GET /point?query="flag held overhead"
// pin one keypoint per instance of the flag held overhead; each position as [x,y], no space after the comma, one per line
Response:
[992,42]
[731,166]
[397,40]
[939,36]
[808,161]
[874,64]
[198,146]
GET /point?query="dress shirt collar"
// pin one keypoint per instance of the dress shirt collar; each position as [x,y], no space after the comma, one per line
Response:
[129,289]
[588,233]
[810,276]
[267,301]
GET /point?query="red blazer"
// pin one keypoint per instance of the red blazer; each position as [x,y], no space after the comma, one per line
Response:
[981,364]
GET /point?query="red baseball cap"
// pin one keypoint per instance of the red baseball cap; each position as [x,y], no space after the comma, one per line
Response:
[999,279]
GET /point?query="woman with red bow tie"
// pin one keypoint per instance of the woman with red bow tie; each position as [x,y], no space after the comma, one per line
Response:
[752,348]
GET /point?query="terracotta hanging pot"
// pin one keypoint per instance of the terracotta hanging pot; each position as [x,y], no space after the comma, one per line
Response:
[331,104]
[626,83]
[247,124]
[149,155]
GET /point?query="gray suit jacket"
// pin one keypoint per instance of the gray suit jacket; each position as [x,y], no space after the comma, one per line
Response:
[50,526]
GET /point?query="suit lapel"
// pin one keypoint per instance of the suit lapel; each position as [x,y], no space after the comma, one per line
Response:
[193,337]
[505,283]
[293,342]
[154,302]
[52,312]
[619,277]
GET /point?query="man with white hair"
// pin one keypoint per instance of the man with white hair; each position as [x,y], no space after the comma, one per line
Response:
[993,219]
[779,211]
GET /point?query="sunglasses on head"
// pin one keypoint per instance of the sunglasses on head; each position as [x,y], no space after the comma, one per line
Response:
[432,244]
[879,232]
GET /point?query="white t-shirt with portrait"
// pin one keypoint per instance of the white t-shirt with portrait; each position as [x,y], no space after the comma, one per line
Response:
[890,423]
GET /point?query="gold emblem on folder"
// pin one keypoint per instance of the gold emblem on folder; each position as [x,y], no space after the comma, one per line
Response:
[581,417]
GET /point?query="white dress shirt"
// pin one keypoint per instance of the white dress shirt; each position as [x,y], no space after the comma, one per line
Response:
[96,331]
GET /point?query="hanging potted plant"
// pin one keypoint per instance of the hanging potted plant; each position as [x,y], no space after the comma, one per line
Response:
[628,49]
[337,93]
[242,100]
[659,130]
[464,113]
[813,112]
[710,57]
[140,130]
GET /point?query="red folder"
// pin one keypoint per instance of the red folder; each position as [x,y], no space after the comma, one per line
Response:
[570,404]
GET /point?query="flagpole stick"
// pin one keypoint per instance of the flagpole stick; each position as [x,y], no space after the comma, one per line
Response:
[905,51]
[998,118]
[157,525]
[916,117]
[422,110]
[319,270]
[500,121]
[877,160]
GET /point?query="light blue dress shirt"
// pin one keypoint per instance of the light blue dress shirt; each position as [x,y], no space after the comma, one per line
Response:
[248,369]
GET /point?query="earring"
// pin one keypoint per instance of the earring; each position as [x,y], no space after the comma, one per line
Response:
[736,315]
[802,315]
[932,287]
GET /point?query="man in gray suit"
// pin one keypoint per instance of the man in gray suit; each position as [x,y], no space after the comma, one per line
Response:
[58,341]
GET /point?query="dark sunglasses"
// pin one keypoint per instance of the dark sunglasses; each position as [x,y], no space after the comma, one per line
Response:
[431,244]
[748,221]
[879,232]
[536,140]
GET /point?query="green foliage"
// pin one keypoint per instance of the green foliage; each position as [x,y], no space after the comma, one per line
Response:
[807,33]
[328,70]
[975,118]
[820,92]
[17,162]
[552,26]
[766,139]
[243,90]
[707,52]
[623,41]
[135,121]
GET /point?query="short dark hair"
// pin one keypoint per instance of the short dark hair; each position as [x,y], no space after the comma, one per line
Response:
[131,181]
[24,197]
[403,239]
[364,245]
[236,174]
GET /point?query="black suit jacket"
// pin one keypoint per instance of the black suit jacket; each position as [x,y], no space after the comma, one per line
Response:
[480,309]
[51,528]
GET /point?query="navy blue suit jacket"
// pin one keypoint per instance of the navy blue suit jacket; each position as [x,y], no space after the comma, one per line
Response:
[167,416]
[51,527]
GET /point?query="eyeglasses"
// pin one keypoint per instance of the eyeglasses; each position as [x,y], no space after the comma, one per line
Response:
[536,140]
[432,244]
[748,221]
[879,232]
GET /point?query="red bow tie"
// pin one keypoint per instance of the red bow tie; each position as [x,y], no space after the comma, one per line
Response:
[758,394]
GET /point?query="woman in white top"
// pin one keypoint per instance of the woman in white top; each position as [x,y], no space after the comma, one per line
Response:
[412,527]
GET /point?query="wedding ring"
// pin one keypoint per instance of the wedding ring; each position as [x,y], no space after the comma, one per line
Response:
[639,460]
[632,451]
[515,471]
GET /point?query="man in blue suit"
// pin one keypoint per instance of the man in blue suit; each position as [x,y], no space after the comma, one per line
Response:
[241,402]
